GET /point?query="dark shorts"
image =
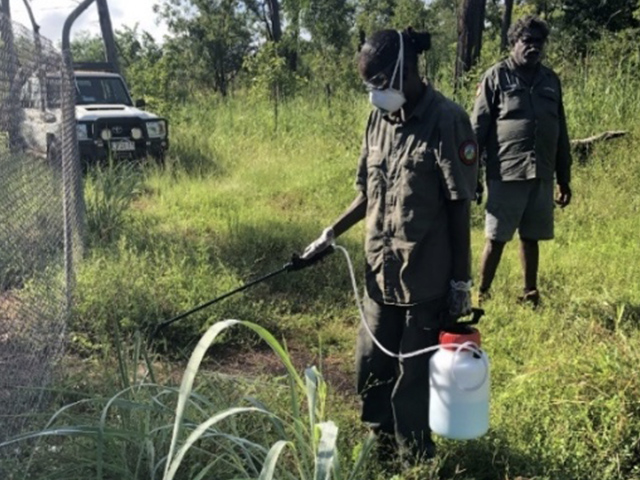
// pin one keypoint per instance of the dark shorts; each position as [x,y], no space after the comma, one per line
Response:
[526,206]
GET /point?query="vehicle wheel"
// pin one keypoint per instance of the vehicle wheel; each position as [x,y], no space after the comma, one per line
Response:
[54,157]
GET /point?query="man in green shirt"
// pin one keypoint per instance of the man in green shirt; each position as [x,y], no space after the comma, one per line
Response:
[520,125]
[415,179]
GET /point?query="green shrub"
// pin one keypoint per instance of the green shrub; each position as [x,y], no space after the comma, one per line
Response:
[109,191]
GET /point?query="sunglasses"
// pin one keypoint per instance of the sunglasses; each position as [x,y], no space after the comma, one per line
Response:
[382,79]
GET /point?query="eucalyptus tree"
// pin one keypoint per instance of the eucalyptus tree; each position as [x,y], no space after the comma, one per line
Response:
[577,23]
[215,35]
[86,47]
[470,28]
[585,20]
[372,15]
[507,13]
[329,52]
[587,17]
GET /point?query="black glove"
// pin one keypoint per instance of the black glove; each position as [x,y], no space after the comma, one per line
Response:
[563,196]
[459,299]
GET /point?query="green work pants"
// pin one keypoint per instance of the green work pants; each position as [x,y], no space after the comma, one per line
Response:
[395,393]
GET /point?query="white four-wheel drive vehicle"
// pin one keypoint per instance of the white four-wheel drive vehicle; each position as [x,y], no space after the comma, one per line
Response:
[109,124]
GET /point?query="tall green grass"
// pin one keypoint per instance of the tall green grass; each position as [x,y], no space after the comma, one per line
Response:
[109,191]
[209,427]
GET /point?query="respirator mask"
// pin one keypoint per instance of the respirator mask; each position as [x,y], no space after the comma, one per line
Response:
[390,100]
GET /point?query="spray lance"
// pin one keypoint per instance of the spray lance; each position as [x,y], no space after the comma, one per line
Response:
[296,263]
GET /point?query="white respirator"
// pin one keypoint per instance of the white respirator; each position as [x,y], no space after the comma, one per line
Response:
[390,100]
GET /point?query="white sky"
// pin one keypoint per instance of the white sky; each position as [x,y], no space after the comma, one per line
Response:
[51,15]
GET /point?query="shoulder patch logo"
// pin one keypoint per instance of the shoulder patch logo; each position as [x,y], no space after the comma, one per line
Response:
[468,152]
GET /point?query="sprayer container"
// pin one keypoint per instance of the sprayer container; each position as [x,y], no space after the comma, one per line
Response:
[459,386]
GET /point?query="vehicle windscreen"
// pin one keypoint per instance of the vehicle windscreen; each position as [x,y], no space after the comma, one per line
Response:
[101,90]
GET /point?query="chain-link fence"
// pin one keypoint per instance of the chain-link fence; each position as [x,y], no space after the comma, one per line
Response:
[41,215]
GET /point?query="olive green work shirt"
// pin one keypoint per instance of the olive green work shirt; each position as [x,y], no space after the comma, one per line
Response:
[408,170]
[521,126]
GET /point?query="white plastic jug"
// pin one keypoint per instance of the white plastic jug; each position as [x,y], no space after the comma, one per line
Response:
[459,385]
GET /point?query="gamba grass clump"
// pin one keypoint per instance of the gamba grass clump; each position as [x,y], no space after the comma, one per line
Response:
[210,427]
[109,191]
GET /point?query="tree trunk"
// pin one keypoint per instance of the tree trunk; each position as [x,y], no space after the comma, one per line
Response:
[506,23]
[291,50]
[274,19]
[288,51]
[470,27]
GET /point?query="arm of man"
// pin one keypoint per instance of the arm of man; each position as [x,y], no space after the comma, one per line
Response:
[352,215]
[482,119]
[563,159]
[458,163]
[458,212]
[483,114]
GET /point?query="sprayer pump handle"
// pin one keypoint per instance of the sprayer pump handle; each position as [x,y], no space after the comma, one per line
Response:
[476,313]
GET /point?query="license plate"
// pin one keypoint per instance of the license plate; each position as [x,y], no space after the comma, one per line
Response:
[123,146]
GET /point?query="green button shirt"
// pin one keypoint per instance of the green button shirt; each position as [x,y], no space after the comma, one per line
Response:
[408,170]
[521,126]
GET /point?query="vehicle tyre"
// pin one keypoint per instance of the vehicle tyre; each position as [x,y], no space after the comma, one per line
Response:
[54,155]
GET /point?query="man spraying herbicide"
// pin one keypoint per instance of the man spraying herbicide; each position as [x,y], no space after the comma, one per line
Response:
[416,177]
[519,122]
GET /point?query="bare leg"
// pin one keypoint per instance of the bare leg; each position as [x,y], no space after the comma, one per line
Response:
[530,258]
[490,260]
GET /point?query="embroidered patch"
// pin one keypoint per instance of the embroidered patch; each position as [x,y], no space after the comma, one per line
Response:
[468,152]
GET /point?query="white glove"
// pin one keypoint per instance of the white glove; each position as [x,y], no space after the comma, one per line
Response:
[460,298]
[323,242]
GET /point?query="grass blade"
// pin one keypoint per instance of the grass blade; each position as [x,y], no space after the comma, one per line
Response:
[327,453]
[199,431]
[187,381]
[362,457]
[270,462]
[311,377]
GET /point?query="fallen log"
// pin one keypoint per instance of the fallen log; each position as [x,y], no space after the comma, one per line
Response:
[583,146]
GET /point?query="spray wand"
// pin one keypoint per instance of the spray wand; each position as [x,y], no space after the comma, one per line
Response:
[296,263]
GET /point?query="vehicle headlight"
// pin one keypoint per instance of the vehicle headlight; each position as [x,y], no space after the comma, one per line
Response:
[82,131]
[157,129]
[136,133]
[105,134]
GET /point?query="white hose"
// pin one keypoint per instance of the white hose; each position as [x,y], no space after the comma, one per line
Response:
[459,347]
